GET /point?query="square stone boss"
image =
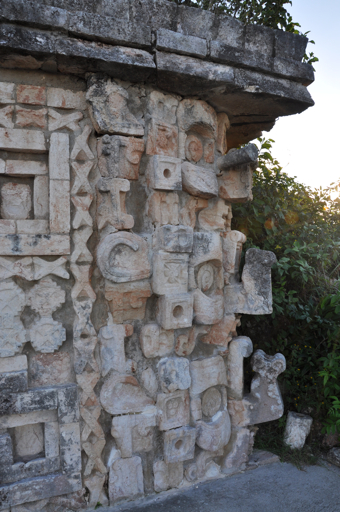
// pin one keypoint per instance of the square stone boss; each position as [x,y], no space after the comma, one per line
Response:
[54,415]
[48,201]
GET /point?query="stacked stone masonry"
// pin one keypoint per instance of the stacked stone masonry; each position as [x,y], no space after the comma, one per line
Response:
[121,371]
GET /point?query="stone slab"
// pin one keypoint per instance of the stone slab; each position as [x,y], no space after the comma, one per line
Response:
[30,141]
[34,245]
[179,43]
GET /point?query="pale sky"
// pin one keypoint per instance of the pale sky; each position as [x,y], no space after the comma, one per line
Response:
[307,144]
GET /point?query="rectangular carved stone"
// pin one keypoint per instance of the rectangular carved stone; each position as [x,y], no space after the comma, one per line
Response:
[7,227]
[51,435]
[134,433]
[59,166]
[174,238]
[41,197]
[13,364]
[32,227]
[28,117]
[198,181]
[119,157]
[34,245]
[164,173]
[6,92]
[179,444]
[162,139]
[13,382]
[127,300]
[32,94]
[175,311]
[170,273]
[32,400]
[70,447]
[61,98]
[18,420]
[60,206]
[30,141]
[25,167]
[68,410]
[179,43]
[206,373]
[173,410]
[235,185]
[126,479]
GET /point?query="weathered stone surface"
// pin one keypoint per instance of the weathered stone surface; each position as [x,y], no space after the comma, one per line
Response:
[206,373]
[112,352]
[32,94]
[170,273]
[94,484]
[61,98]
[123,257]
[119,157]
[179,43]
[175,311]
[222,332]
[111,209]
[236,453]
[34,245]
[16,201]
[211,402]
[30,418]
[167,476]
[179,444]
[254,295]
[212,436]
[13,364]
[264,402]
[6,116]
[189,210]
[174,373]
[29,441]
[127,301]
[149,381]
[239,348]
[163,208]
[25,167]
[156,342]
[81,149]
[232,252]
[109,109]
[126,479]
[198,181]
[223,125]
[13,382]
[29,117]
[238,157]
[60,206]
[134,433]
[204,467]
[164,173]
[7,92]
[12,302]
[185,343]
[297,429]
[162,138]
[162,106]
[216,216]
[40,197]
[57,121]
[121,394]
[173,410]
[208,310]
[174,238]
[235,185]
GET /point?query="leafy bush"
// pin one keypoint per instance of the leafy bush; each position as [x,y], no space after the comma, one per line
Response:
[302,227]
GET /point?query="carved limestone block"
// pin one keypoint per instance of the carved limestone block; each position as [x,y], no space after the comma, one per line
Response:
[223,125]
[175,311]
[237,451]
[239,348]
[12,332]
[297,429]
[111,209]
[6,116]
[163,208]
[173,409]
[149,381]
[173,238]
[222,332]
[212,436]
[207,247]
[198,181]
[204,466]
[82,206]
[121,394]
[134,433]
[16,201]
[206,373]
[81,183]
[112,351]
[162,106]
[185,343]
[119,157]
[123,257]
[126,479]
[162,138]
[235,185]
[232,251]
[254,295]
[189,210]
[164,173]
[264,402]
[211,402]
[167,476]
[196,408]
[208,310]
[216,217]
[179,444]
[109,109]
[81,149]
[156,342]
[94,484]
[127,301]
[58,121]
[46,334]
[174,373]
[170,273]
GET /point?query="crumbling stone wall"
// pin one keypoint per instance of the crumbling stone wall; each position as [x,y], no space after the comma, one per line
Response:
[121,372]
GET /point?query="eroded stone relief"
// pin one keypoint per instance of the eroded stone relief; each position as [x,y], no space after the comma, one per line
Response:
[121,294]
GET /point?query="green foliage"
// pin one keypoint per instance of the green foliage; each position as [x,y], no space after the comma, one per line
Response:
[302,227]
[270,13]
